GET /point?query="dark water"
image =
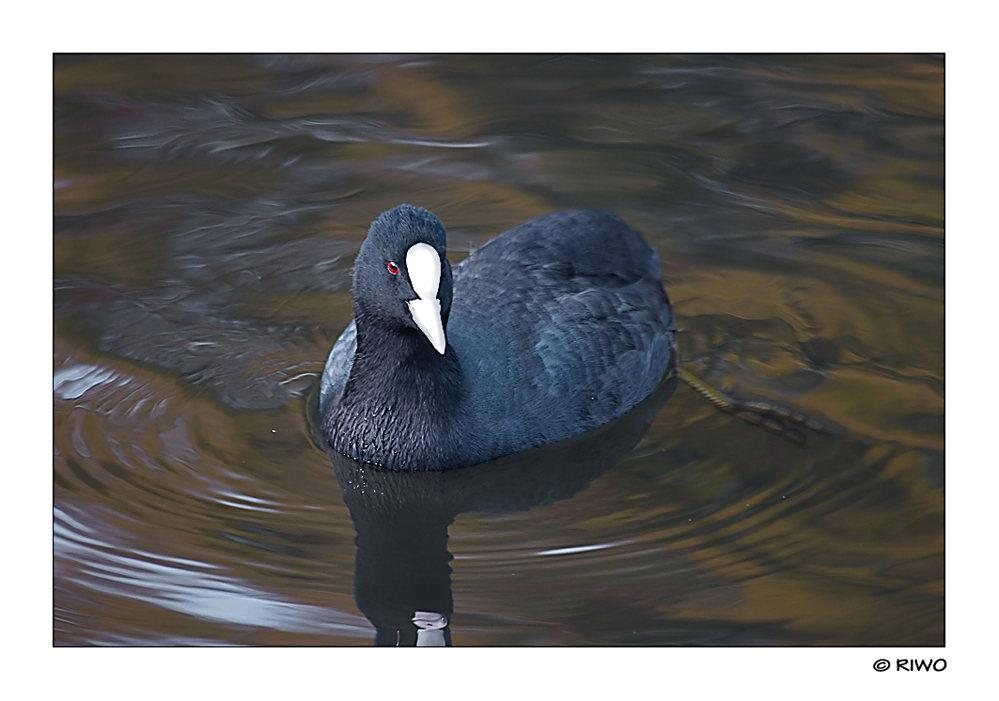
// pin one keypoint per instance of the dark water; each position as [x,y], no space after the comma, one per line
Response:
[207,210]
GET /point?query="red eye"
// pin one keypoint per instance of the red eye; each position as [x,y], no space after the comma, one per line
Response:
[393,268]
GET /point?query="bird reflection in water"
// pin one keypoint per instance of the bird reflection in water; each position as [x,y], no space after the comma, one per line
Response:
[402,571]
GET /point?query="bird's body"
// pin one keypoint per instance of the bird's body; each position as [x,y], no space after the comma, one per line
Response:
[553,328]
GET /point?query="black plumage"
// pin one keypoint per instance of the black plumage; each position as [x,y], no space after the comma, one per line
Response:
[553,328]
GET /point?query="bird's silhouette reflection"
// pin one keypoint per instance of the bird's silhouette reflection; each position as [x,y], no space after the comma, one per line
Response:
[402,571]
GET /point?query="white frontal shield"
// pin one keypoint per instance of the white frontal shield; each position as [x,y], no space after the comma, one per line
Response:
[424,267]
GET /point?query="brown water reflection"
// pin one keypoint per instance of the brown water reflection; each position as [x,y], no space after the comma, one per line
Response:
[207,210]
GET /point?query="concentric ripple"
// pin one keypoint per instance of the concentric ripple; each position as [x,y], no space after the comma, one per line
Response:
[207,212]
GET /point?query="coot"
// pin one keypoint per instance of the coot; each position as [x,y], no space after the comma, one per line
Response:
[553,328]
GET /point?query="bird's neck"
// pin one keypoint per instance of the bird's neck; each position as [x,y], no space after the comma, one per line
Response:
[399,386]
[385,349]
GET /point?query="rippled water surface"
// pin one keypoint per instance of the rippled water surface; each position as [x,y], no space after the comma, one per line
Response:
[207,211]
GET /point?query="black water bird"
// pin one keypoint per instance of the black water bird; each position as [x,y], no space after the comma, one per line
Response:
[553,328]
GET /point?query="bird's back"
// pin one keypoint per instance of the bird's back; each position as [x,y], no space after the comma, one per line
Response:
[560,325]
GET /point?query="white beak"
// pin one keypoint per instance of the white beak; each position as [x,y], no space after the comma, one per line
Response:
[424,267]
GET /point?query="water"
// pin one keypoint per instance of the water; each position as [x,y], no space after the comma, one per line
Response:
[207,210]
